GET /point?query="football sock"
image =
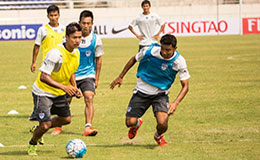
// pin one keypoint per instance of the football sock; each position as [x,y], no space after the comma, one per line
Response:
[88,125]
[138,123]
[157,135]
[32,142]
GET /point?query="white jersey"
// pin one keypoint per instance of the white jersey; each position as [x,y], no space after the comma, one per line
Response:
[148,25]
[179,65]
[42,33]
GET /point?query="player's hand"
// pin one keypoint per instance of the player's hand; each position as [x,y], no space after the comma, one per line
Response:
[70,90]
[155,37]
[118,81]
[33,67]
[78,94]
[140,37]
[172,108]
[96,83]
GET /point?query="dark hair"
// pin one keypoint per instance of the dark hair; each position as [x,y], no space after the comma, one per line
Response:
[169,39]
[53,8]
[146,2]
[86,13]
[72,28]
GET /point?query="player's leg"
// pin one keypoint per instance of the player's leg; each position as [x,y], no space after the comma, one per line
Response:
[138,105]
[160,109]
[162,126]
[58,129]
[43,115]
[87,87]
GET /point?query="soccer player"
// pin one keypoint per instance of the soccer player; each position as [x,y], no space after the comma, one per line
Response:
[87,75]
[158,66]
[56,79]
[150,26]
[48,35]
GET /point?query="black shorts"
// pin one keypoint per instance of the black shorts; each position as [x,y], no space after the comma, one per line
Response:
[47,106]
[87,84]
[140,102]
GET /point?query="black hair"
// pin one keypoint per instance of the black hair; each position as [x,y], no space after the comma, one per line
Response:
[169,40]
[86,13]
[53,8]
[146,2]
[72,28]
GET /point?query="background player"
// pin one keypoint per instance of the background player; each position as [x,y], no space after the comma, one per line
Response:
[150,26]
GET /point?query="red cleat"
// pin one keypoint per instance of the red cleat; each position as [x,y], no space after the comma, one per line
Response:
[90,131]
[133,130]
[161,141]
[56,131]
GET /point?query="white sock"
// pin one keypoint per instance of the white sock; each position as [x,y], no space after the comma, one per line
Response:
[88,125]
[138,123]
[156,135]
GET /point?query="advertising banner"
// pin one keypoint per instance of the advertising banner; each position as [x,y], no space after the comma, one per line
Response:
[197,27]
[251,25]
[19,32]
[176,27]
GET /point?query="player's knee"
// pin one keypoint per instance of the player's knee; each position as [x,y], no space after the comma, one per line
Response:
[130,121]
[89,99]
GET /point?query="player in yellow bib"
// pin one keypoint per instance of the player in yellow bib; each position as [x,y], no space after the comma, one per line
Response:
[56,79]
[49,35]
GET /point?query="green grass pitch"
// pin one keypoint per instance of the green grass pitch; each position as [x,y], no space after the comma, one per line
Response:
[219,119]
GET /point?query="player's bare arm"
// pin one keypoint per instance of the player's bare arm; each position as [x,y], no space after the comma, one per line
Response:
[98,69]
[71,90]
[185,88]
[137,35]
[156,36]
[35,54]
[119,80]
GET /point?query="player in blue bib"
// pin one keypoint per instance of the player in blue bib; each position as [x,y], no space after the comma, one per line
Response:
[158,67]
[87,74]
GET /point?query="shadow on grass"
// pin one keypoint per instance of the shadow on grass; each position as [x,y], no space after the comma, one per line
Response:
[24,153]
[147,146]
[15,116]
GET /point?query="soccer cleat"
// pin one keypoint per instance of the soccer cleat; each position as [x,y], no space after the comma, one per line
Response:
[32,150]
[90,131]
[161,141]
[133,130]
[56,131]
[41,140]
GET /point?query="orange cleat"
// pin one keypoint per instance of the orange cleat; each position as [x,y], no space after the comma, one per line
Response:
[56,131]
[90,131]
[133,130]
[161,141]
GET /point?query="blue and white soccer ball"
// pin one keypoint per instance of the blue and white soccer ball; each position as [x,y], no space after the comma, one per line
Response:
[76,148]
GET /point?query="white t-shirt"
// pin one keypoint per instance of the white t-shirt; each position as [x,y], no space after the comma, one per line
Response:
[178,65]
[51,63]
[148,25]
[42,33]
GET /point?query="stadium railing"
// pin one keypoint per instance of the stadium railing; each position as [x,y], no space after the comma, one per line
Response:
[71,4]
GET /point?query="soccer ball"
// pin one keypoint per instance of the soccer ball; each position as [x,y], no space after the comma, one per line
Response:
[76,148]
